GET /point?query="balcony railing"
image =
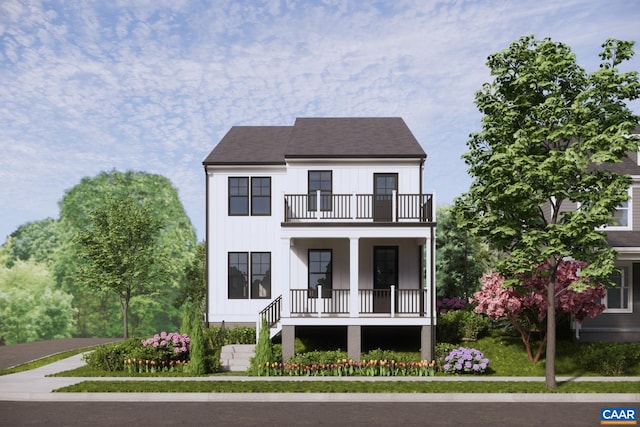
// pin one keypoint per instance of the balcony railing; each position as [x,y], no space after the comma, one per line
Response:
[371,302]
[358,207]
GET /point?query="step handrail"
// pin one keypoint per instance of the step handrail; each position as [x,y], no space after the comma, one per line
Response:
[272,312]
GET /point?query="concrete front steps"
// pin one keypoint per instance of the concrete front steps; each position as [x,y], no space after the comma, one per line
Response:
[236,357]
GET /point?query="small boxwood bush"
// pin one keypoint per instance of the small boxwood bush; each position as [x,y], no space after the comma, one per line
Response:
[456,326]
[111,357]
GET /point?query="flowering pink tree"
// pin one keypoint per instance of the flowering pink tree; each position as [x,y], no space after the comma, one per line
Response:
[525,307]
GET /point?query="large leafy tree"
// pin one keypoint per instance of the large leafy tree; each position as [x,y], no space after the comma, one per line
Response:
[31,308]
[119,251]
[195,281]
[175,242]
[37,241]
[461,257]
[549,128]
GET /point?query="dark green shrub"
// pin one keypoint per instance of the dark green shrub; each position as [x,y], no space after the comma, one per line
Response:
[473,325]
[240,335]
[441,351]
[319,357]
[449,326]
[456,326]
[111,357]
[609,358]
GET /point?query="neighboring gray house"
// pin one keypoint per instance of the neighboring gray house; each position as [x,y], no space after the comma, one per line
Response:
[621,318]
[321,224]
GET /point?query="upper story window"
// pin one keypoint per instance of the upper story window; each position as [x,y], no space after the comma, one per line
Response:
[621,217]
[241,201]
[261,196]
[320,181]
[618,298]
[238,196]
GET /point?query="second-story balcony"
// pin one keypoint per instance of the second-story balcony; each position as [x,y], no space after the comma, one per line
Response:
[389,208]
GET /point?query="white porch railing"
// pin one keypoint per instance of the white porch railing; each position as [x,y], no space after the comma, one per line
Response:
[335,302]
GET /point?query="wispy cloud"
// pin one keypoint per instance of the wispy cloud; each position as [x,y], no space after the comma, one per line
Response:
[153,85]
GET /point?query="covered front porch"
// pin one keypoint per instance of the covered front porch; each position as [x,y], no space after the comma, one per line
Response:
[358,277]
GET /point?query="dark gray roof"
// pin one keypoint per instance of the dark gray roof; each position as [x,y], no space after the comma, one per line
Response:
[251,145]
[628,165]
[353,137]
[360,137]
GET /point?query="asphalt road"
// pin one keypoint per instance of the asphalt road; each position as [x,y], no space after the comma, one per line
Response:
[97,414]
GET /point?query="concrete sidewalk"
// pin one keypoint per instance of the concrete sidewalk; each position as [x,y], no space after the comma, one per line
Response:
[33,385]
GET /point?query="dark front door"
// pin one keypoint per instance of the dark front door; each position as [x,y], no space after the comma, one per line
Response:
[385,274]
[384,184]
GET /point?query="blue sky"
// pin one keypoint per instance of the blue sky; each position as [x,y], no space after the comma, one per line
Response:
[152,85]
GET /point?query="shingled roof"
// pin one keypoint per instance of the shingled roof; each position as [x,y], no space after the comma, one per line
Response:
[361,137]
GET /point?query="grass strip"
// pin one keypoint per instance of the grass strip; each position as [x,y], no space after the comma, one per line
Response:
[345,387]
[43,361]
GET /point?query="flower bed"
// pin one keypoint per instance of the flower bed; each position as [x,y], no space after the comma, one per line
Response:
[344,367]
[164,352]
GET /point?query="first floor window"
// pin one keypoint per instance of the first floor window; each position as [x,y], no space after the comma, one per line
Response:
[320,272]
[261,275]
[238,275]
[618,297]
[240,271]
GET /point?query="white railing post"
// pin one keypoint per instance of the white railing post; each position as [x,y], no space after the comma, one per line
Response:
[394,205]
[393,300]
[319,301]
[354,205]
[354,305]
[317,204]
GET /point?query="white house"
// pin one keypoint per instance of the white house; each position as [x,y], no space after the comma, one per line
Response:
[323,223]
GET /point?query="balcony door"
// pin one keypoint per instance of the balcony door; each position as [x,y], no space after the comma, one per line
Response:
[385,274]
[384,184]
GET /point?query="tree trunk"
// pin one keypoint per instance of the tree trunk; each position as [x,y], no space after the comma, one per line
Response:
[550,360]
[124,306]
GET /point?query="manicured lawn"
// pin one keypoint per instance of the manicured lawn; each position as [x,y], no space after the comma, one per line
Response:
[347,387]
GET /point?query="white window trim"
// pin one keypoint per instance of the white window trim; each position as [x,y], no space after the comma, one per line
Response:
[629,225]
[624,270]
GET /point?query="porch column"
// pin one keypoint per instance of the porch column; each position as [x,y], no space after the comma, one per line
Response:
[354,342]
[288,342]
[354,256]
[427,338]
[285,251]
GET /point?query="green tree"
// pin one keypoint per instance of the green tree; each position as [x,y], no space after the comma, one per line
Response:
[461,257]
[31,308]
[194,289]
[549,129]
[37,241]
[264,351]
[175,243]
[119,252]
